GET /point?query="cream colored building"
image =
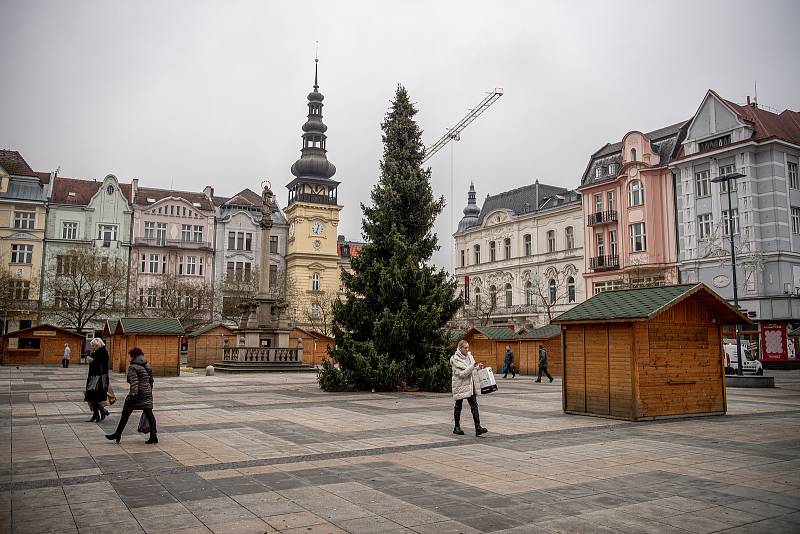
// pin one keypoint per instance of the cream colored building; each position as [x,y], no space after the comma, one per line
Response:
[519,257]
[23,211]
[312,258]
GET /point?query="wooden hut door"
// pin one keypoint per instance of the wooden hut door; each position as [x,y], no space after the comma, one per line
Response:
[596,345]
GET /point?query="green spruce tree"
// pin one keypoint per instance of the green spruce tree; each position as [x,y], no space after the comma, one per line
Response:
[390,327]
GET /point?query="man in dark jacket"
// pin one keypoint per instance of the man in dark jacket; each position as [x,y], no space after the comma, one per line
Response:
[543,364]
[508,363]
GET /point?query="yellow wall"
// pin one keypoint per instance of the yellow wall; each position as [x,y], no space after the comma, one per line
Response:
[303,258]
[10,236]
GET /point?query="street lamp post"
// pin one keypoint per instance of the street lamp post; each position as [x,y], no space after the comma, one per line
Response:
[728,178]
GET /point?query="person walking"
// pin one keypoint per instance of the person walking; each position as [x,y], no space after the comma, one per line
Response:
[508,363]
[465,386]
[140,378]
[65,358]
[97,380]
[543,364]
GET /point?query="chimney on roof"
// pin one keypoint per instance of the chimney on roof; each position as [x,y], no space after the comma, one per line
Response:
[536,207]
[748,100]
[134,187]
[208,191]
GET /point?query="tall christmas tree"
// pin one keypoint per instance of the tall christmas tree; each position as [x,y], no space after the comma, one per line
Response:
[390,327]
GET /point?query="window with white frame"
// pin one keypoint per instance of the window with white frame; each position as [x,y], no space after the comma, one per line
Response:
[726,221]
[477,254]
[527,241]
[598,202]
[24,220]
[509,296]
[152,297]
[20,290]
[611,285]
[529,298]
[612,242]
[22,254]
[638,237]
[635,193]
[610,201]
[69,230]
[507,247]
[551,241]
[477,297]
[161,233]
[724,170]
[569,237]
[571,293]
[704,226]
[66,264]
[107,233]
[599,240]
[315,282]
[492,251]
[273,244]
[315,310]
[191,265]
[795,220]
[198,234]
[552,290]
[154,262]
[186,232]
[794,181]
[149,230]
[702,184]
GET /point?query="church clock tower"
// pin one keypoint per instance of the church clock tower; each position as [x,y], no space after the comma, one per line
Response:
[312,259]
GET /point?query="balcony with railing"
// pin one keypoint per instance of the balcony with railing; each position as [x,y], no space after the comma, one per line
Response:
[173,243]
[601,217]
[604,263]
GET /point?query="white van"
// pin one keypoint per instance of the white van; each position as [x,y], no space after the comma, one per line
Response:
[749,363]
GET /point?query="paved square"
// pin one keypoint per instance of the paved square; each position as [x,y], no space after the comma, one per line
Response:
[272,453]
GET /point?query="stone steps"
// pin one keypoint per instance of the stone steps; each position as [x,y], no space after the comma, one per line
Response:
[263,367]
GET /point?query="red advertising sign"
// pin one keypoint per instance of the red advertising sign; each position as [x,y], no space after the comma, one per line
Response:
[773,341]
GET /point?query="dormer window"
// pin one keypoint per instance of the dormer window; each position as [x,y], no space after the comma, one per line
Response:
[598,172]
[72,194]
[714,143]
[612,169]
[151,200]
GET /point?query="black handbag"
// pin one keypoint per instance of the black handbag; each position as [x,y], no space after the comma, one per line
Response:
[94,383]
[144,424]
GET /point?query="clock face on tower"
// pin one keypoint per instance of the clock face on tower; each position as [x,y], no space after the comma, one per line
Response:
[317,228]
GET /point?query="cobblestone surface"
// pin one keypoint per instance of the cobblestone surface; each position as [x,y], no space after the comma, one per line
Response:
[272,453]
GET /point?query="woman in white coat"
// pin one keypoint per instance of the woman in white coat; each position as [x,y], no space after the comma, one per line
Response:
[466,386]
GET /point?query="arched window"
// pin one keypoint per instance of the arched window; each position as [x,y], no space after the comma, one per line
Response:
[529,294]
[477,297]
[570,289]
[509,296]
[635,193]
[633,154]
[315,282]
[552,286]
[493,295]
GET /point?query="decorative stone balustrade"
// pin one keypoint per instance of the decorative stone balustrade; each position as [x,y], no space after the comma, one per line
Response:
[261,354]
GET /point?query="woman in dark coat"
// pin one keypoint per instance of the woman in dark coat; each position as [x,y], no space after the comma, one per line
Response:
[140,377]
[97,381]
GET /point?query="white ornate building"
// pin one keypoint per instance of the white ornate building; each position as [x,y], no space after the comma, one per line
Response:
[519,257]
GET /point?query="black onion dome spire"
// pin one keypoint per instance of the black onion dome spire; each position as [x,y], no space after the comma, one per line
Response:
[471,212]
[313,162]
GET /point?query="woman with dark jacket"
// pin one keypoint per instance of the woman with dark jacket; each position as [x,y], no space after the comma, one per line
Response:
[97,381]
[140,377]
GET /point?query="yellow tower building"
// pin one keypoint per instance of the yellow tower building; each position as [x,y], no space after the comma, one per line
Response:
[312,259]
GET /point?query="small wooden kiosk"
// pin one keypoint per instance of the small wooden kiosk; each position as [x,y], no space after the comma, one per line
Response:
[315,345]
[529,340]
[205,344]
[40,345]
[646,353]
[159,338]
[488,344]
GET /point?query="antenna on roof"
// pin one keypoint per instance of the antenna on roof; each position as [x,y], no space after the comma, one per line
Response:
[755,91]
[57,171]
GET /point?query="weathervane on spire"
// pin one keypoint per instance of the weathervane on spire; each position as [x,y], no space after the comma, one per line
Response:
[316,63]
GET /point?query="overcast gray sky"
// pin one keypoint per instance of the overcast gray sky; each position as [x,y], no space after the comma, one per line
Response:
[188,93]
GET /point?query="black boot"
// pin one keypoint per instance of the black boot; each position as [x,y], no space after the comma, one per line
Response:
[457,419]
[95,414]
[153,439]
[114,437]
[476,418]
[480,430]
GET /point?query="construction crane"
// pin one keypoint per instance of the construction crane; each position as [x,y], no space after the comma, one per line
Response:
[454,133]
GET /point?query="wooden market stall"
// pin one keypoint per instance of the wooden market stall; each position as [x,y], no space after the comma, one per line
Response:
[159,338]
[646,353]
[488,344]
[205,344]
[39,345]
[527,360]
[315,345]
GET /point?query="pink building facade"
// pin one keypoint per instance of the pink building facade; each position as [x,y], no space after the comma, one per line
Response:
[628,196]
[173,234]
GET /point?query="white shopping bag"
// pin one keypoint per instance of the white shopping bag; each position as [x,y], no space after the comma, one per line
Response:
[487,381]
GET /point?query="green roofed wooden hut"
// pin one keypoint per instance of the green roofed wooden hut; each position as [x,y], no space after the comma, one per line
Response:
[488,344]
[159,338]
[646,353]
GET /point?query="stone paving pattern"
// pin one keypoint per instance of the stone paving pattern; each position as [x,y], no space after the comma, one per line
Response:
[272,453]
